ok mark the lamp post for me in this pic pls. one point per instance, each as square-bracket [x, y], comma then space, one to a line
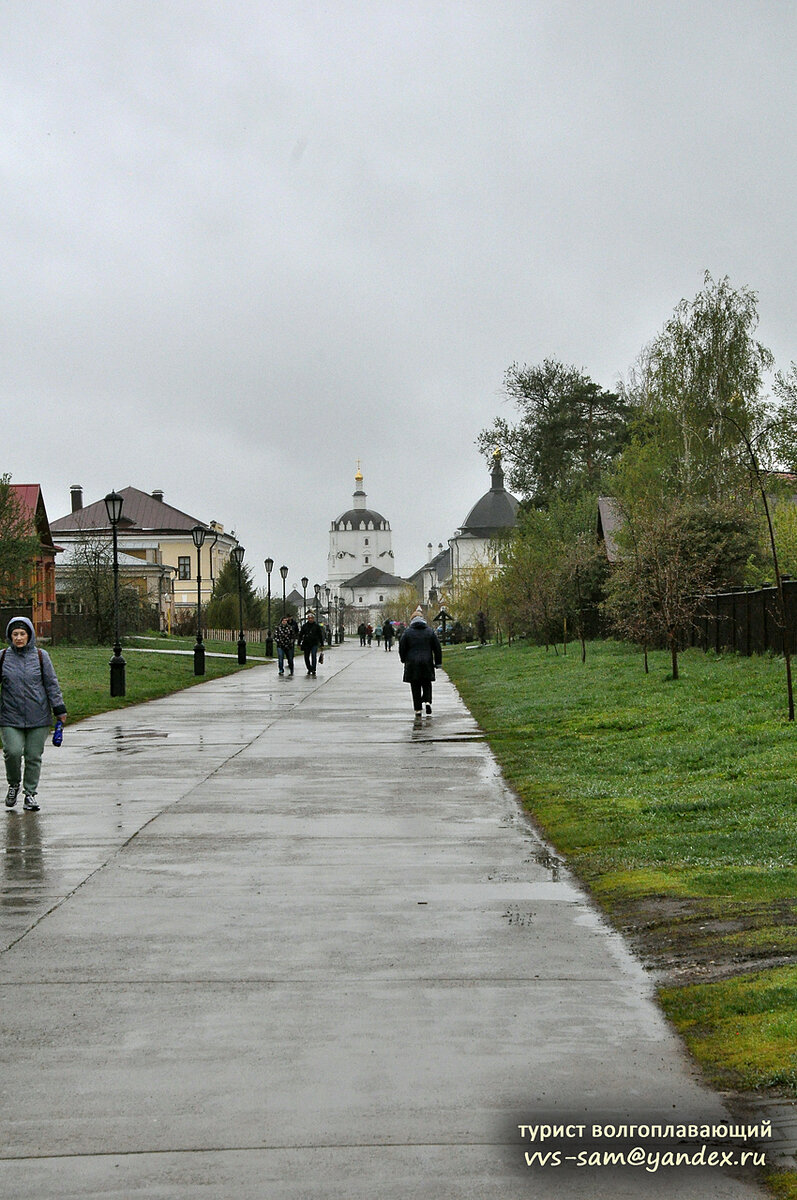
[317, 590]
[336, 619]
[238, 558]
[269, 565]
[284, 574]
[305, 582]
[329, 618]
[113, 506]
[198, 537]
[210, 560]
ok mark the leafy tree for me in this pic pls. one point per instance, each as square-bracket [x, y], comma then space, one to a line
[698, 384]
[783, 444]
[530, 593]
[569, 432]
[683, 483]
[784, 519]
[405, 603]
[553, 571]
[222, 611]
[19, 545]
[476, 593]
[656, 588]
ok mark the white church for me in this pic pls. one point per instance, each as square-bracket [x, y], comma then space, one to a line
[360, 566]
[360, 562]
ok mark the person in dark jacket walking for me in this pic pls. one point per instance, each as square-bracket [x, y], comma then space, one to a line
[387, 633]
[420, 651]
[285, 636]
[311, 639]
[30, 693]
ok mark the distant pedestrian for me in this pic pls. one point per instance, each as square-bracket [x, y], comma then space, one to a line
[285, 637]
[311, 639]
[378, 634]
[388, 634]
[30, 694]
[481, 628]
[369, 633]
[362, 629]
[420, 651]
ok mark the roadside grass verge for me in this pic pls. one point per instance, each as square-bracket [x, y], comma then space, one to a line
[84, 675]
[675, 802]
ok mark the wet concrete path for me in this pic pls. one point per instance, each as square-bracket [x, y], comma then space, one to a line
[268, 940]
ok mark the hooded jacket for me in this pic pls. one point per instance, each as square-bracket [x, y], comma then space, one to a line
[420, 651]
[29, 687]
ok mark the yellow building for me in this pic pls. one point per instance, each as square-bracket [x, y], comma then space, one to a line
[157, 533]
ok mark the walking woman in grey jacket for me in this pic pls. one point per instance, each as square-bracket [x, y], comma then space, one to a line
[28, 694]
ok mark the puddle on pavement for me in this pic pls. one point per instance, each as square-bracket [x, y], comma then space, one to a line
[23, 860]
[550, 862]
[459, 738]
[133, 741]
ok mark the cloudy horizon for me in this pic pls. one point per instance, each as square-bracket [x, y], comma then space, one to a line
[248, 245]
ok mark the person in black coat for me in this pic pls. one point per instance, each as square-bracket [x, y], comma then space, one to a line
[420, 651]
[311, 640]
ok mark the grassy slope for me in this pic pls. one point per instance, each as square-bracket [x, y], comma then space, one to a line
[676, 803]
[84, 675]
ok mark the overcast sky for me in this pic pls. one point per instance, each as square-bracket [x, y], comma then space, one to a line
[246, 244]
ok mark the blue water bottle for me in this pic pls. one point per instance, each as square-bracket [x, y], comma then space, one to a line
[58, 733]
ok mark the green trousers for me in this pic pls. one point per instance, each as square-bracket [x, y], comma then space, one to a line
[27, 744]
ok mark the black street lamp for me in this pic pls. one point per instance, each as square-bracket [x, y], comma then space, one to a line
[269, 565]
[317, 590]
[305, 582]
[329, 618]
[238, 558]
[337, 620]
[210, 560]
[284, 574]
[198, 537]
[113, 506]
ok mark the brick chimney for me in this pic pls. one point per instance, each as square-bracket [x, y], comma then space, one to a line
[76, 491]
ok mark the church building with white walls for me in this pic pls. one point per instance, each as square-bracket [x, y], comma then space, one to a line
[358, 539]
[360, 563]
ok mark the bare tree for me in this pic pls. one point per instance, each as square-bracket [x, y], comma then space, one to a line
[90, 586]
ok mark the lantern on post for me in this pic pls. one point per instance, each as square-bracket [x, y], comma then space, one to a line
[113, 507]
[198, 534]
[269, 565]
[238, 558]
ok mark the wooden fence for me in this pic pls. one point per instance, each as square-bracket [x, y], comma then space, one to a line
[747, 620]
[231, 635]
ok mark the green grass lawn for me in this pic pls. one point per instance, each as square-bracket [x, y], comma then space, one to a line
[84, 675]
[676, 803]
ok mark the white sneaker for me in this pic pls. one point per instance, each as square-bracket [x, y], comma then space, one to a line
[30, 803]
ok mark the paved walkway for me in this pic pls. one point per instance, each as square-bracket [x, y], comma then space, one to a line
[266, 940]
